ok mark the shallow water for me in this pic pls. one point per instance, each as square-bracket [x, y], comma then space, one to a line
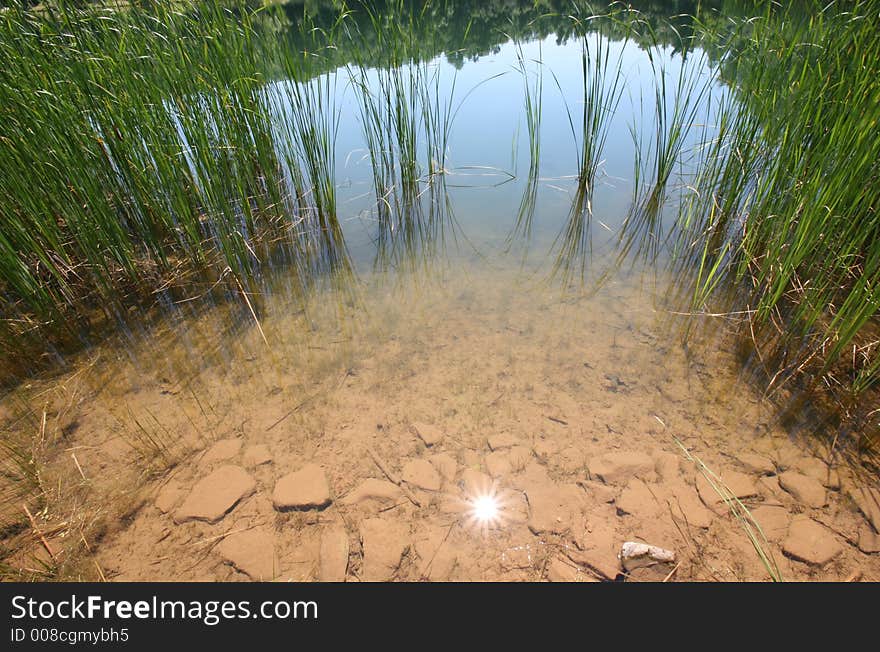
[566, 349]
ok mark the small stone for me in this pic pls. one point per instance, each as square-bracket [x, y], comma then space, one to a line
[256, 455]
[373, 489]
[757, 464]
[504, 440]
[429, 434]
[810, 542]
[616, 468]
[252, 552]
[303, 489]
[807, 491]
[638, 555]
[497, 464]
[869, 541]
[383, 542]
[773, 521]
[334, 554]
[867, 499]
[222, 450]
[215, 495]
[446, 465]
[554, 508]
[420, 473]
[738, 484]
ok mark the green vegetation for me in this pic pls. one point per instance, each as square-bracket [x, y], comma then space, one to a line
[159, 149]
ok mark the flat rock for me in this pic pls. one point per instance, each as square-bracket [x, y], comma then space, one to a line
[215, 495]
[773, 520]
[222, 450]
[503, 440]
[383, 542]
[685, 504]
[252, 552]
[869, 541]
[597, 546]
[428, 433]
[757, 464]
[739, 484]
[382, 491]
[638, 499]
[169, 496]
[810, 542]
[445, 465]
[554, 508]
[498, 464]
[804, 489]
[437, 555]
[819, 470]
[867, 499]
[256, 455]
[422, 474]
[303, 489]
[617, 468]
[334, 554]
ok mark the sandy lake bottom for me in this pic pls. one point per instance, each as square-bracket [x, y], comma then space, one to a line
[457, 421]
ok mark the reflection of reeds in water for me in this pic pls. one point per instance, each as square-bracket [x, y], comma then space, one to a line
[603, 82]
[406, 114]
[532, 107]
[676, 107]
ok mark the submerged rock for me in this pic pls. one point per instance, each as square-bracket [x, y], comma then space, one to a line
[635, 555]
[616, 468]
[215, 495]
[429, 434]
[810, 542]
[804, 489]
[252, 552]
[334, 554]
[303, 489]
